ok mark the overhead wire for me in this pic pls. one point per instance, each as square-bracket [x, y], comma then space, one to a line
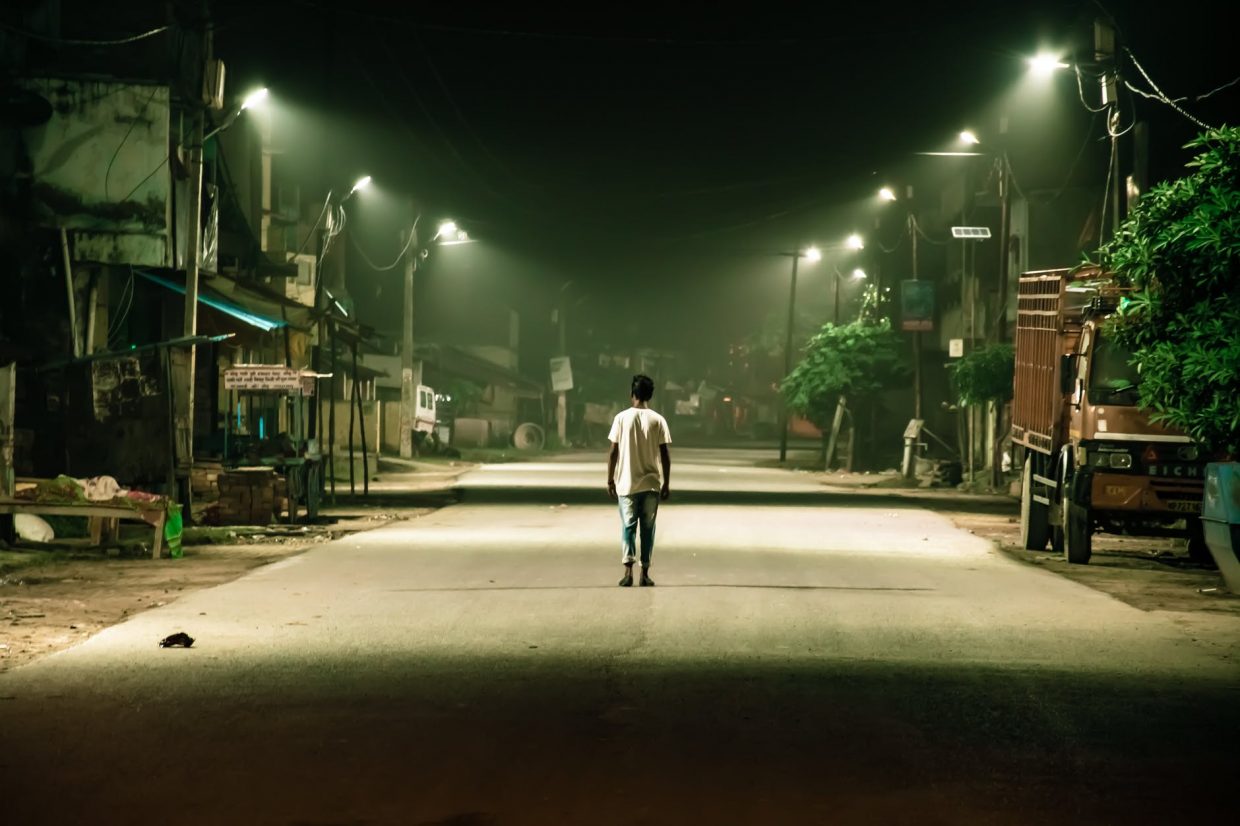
[69, 41]
[116, 324]
[1106, 194]
[108, 172]
[1218, 89]
[399, 257]
[1162, 96]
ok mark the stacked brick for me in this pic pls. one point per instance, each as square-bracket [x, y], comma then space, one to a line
[205, 477]
[247, 496]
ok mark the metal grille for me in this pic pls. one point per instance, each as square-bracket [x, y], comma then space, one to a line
[1037, 401]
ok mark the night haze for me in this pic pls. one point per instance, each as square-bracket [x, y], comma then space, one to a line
[677, 148]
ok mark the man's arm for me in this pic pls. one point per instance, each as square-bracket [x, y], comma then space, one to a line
[612, 457]
[666, 457]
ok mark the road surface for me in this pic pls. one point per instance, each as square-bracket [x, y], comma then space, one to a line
[803, 659]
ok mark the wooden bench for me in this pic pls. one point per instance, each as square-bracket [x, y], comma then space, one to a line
[103, 517]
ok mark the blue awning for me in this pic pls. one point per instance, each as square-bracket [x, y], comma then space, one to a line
[217, 303]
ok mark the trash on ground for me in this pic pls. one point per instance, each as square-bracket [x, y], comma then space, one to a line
[180, 638]
[33, 528]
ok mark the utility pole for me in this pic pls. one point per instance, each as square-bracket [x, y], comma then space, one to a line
[1005, 245]
[561, 402]
[183, 358]
[1104, 55]
[792, 301]
[408, 387]
[912, 232]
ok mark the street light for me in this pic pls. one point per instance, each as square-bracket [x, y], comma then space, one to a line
[854, 242]
[857, 274]
[910, 224]
[811, 254]
[1044, 64]
[251, 101]
[449, 234]
[254, 98]
[969, 138]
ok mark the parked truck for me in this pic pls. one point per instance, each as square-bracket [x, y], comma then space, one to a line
[1092, 461]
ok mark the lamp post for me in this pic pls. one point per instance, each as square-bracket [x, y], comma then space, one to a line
[857, 274]
[810, 254]
[910, 226]
[447, 234]
[183, 360]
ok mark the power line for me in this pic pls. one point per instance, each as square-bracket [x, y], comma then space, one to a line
[400, 256]
[68, 41]
[1161, 94]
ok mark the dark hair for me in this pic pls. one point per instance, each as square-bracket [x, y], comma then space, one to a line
[643, 387]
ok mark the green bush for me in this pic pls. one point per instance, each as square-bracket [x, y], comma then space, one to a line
[985, 375]
[1180, 251]
[855, 359]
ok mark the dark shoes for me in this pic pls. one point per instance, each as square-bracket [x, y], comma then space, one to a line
[646, 582]
[626, 581]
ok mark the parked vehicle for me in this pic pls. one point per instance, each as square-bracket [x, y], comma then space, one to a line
[1092, 460]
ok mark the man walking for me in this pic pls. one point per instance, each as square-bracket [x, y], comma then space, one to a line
[639, 439]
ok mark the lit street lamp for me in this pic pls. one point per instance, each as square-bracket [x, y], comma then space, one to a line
[811, 254]
[447, 234]
[857, 274]
[1044, 64]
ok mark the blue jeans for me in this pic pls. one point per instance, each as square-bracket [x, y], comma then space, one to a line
[638, 509]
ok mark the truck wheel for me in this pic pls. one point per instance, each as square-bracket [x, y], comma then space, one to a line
[1078, 530]
[1034, 516]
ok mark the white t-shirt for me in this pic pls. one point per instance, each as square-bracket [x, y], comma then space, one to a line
[638, 431]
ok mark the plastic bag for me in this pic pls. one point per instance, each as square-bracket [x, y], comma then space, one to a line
[172, 532]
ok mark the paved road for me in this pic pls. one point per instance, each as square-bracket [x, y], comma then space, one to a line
[803, 659]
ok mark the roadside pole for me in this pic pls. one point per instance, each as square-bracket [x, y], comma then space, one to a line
[182, 359]
[792, 303]
[408, 390]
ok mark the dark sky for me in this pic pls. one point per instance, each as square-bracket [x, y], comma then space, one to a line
[661, 156]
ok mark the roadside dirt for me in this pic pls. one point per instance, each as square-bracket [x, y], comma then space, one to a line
[1150, 574]
[52, 600]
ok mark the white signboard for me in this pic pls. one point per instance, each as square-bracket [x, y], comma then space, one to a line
[955, 348]
[266, 377]
[561, 374]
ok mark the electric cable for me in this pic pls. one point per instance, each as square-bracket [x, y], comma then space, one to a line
[1075, 163]
[1218, 89]
[400, 256]
[1161, 94]
[921, 232]
[108, 172]
[1080, 93]
[68, 41]
[116, 324]
[1106, 194]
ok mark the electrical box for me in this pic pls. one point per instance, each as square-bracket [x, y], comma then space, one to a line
[213, 84]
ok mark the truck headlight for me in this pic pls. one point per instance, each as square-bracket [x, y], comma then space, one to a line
[1118, 459]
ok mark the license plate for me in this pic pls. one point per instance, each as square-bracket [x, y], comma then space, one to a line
[1184, 506]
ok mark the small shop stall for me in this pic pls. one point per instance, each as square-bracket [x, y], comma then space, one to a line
[270, 463]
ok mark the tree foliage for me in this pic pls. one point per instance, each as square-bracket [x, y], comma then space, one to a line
[985, 375]
[854, 359]
[1180, 251]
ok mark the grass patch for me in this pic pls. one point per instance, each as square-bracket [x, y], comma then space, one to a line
[17, 560]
